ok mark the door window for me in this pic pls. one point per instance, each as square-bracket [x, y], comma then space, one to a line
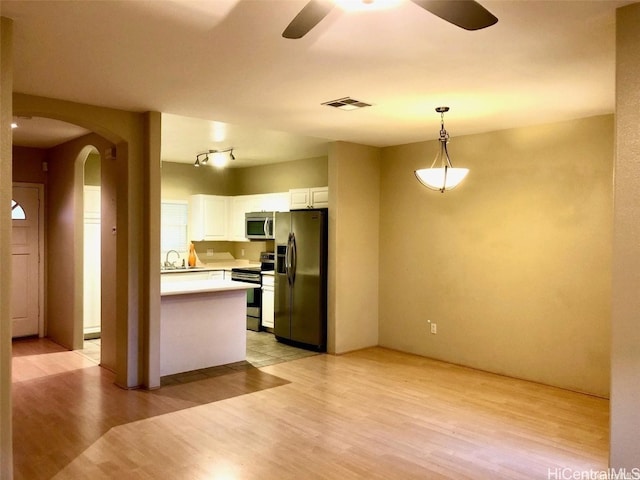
[17, 212]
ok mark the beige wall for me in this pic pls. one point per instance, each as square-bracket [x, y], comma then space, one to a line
[625, 378]
[6, 115]
[280, 177]
[92, 170]
[249, 251]
[514, 266]
[180, 180]
[150, 334]
[65, 246]
[27, 165]
[354, 201]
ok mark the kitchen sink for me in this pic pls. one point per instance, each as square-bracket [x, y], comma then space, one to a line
[181, 269]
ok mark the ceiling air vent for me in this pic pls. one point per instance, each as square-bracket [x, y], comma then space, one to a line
[346, 103]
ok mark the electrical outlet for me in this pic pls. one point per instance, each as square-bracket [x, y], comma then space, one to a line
[434, 328]
[242, 252]
[209, 252]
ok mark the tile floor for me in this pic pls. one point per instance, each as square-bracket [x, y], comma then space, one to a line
[262, 349]
[91, 350]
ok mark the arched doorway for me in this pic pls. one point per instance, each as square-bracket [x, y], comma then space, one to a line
[92, 255]
[129, 144]
[68, 284]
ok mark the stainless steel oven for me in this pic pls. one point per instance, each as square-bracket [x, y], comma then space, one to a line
[254, 295]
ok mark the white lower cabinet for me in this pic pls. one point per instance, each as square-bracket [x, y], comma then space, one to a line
[191, 275]
[216, 275]
[268, 299]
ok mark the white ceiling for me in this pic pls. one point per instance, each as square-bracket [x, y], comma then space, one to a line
[225, 63]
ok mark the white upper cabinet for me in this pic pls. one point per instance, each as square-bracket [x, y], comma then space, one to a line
[208, 217]
[238, 206]
[241, 204]
[303, 198]
[274, 202]
[215, 217]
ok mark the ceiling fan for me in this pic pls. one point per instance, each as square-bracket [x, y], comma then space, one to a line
[467, 14]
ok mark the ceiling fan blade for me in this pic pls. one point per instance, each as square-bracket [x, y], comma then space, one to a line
[466, 14]
[309, 17]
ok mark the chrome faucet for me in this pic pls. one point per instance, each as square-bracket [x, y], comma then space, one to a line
[168, 264]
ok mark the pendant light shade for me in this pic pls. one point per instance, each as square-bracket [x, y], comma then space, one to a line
[443, 178]
[441, 175]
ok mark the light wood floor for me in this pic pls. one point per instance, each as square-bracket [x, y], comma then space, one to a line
[372, 414]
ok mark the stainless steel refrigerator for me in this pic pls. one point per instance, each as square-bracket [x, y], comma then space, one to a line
[301, 278]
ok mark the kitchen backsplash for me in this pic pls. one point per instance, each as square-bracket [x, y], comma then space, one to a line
[239, 250]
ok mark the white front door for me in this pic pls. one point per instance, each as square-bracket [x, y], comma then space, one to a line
[25, 252]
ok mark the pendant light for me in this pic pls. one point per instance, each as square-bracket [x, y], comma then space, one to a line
[441, 175]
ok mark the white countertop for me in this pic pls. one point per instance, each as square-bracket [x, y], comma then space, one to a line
[203, 286]
[214, 266]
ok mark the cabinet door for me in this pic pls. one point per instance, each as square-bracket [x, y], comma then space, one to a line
[183, 277]
[215, 217]
[274, 202]
[216, 275]
[238, 206]
[268, 298]
[303, 198]
[208, 217]
[299, 199]
[319, 197]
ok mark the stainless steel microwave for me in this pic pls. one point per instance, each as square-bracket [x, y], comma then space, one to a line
[260, 225]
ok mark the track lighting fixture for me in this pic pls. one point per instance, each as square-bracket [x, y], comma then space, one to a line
[219, 158]
[444, 176]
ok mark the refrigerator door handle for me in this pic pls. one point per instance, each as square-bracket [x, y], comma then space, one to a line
[294, 258]
[288, 260]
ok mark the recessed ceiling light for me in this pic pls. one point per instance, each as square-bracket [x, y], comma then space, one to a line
[346, 103]
[14, 125]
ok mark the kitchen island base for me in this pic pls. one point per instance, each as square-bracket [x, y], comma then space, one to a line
[202, 329]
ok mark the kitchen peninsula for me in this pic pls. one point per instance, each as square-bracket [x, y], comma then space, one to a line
[202, 324]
